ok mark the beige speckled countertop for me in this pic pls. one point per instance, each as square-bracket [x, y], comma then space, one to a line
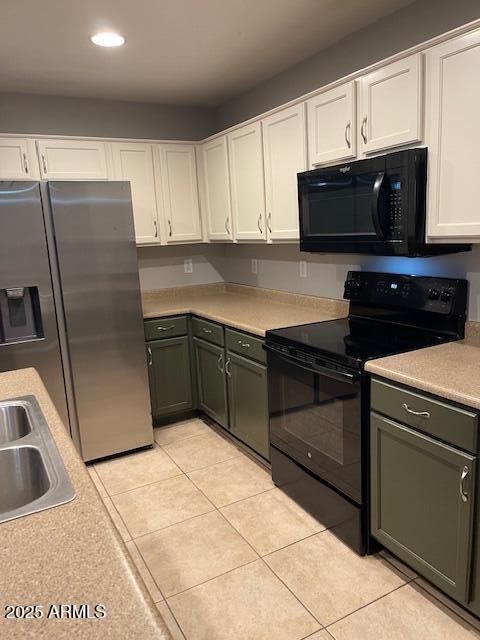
[70, 554]
[247, 308]
[450, 370]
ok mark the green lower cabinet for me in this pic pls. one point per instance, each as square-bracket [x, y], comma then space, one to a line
[248, 402]
[422, 496]
[169, 375]
[212, 389]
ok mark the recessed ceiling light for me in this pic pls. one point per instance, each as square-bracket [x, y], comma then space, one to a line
[108, 39]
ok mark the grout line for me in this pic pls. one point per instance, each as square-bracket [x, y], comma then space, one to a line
[149, 572]
[229, 504]
[173, 616]
[147, 484]
[291, 544]
[173, 524]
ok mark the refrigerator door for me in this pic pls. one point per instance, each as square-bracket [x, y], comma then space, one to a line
[28, 328]
[100, 308]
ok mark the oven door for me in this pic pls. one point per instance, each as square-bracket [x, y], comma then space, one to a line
[315, 419]
[340, 211]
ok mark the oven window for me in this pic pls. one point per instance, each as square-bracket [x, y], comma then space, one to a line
[334, 205]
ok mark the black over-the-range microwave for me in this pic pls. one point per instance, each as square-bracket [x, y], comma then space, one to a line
[373, 206]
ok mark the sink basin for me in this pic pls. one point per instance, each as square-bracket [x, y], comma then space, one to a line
[32, 474]
[14, 423]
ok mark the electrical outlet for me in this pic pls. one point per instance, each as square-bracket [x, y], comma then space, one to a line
[254, 265]
[188, 265]
[303, 269]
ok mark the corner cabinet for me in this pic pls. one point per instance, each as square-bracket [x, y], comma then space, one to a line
[453, 138]
[284, 155]
[218, 208]
[18, 159]
[178, 170]
[73, 159]
[134, 162]
[391, 105]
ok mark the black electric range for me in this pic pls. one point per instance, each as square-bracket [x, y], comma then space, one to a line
[319, 394]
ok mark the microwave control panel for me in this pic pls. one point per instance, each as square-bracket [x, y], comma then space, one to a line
[422, 293]
[395, 217]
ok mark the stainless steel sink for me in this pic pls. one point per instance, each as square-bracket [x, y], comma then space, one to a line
[32, 474]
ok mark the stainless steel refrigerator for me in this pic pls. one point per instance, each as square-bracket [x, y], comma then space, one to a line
[70, 306]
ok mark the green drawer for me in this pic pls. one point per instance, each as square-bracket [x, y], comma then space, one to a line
[166, 327]
[208, 331]
[447, 422]
[246, 345]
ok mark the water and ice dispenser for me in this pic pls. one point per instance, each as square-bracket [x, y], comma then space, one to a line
[20, 317]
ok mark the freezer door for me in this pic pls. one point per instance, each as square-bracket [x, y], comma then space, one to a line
[28, 328]
[104, 340]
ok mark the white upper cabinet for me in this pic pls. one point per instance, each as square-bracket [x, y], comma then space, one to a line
[179, 187]
[217, 190]
[391, 105]
[133, 161]
[18, 160]
[331, 118]
[73, 159]
[453, 137]
[285, 155]
[247, 182]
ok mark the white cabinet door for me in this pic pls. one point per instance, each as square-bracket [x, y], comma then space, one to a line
[180, 193]
[73, 159]
[285, 155]
[391, 105]
[18, 160]
[134, 162]
[331, 118]
[246, 175]
[453, 137]
[217, 189]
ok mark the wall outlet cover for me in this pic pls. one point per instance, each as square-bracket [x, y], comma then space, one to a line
[254, 265]
[188, 265]
[303, 269]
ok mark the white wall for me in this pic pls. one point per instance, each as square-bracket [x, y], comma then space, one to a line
[163, 267]
[278, 268]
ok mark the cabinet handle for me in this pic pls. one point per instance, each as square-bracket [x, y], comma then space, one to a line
[25, 163]
[347, 134]
[244, 344]
[169, 328]
[463, 493]
[269, 222]
[227, 368]
[220, 363]
[156, 228]
[363, 129]
[170, 228]
[44, 163]
[150, 357]
[208, 331]
[227, 225]
[421, 414]
[259, 223]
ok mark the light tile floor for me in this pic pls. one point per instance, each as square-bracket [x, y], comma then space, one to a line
[226, 556]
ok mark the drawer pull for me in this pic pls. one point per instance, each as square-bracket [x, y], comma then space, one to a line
[150, 357]
[220, 363]
[463, 493]
[246, 345]
[420, 414]
[208, 331]
[227, 368]
[169, 328]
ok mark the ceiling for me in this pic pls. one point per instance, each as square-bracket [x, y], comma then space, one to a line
[190, 52]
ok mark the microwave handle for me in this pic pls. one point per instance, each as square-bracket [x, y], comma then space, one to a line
[376, 213]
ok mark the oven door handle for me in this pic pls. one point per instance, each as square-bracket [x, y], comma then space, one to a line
[376, 213]
[343, 376]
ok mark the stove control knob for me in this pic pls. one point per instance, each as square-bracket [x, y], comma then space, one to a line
[434, 294]
[446, 296]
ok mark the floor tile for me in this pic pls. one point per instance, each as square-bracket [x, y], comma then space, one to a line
[192, 552]
[330, 579]
[270, 521]
[405, 614]
[233, 480]
[136, 470]
[179, 431]
[96, 481]
[201, 451]
[170, 621]
[117, 520]
[144, 572]
[448, 602]
[247, 603]
[158, 505]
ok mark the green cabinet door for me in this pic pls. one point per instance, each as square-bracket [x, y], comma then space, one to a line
[169, 375]
[423, 495]
[211, 385]
[248, 402]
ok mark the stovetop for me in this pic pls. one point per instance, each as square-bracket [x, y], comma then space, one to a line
[353, 341]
